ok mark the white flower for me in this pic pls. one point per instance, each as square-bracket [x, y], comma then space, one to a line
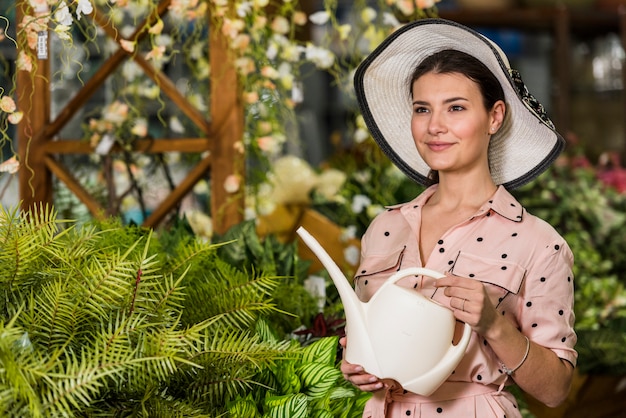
[285, 74]
[360, 135]
[362, 176]
[243, 9]
[348, 233]
[321, 57]
[330, 182]
[131, 70]
[176, 126]
[292, 53]
[390, 19]
[62, 15]
[63, 32]
[316, 286]
[272, 51]
[360, 202]
[319, 18]
[352, 255]
[294, 178]
[140, 127]
[84, 7]
[201, 224]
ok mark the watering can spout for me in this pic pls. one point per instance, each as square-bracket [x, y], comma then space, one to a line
[356, 326]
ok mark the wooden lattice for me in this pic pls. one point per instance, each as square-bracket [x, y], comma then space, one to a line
[222, 128]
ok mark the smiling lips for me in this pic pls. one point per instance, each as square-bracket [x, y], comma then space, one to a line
[439, 146]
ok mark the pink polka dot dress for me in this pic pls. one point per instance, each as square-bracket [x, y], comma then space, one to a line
[526, 267]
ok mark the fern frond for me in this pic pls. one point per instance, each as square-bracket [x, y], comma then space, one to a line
[53, 318]
[22, 238]
[78, 382]
[232, 297]
[18, 383]
[192, 254]
[108, 281]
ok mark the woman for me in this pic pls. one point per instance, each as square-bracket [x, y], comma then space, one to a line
[442, 102]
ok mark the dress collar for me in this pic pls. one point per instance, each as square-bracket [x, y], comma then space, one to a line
[502, 203]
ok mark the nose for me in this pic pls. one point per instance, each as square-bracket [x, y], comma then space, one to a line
[436, 123]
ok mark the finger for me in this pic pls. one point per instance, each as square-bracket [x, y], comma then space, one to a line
[366, 382]
[459, 303]
[349, 368]
[456, 281]
[371, 387]
[343, 341]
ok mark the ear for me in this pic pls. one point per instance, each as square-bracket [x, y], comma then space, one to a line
[496, 116]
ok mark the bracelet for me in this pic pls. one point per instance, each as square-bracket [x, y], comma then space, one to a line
[511, 371]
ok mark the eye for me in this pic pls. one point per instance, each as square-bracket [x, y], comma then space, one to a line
[456, 108]
[420, 109]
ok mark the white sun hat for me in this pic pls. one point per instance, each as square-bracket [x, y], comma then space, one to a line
[524, 146]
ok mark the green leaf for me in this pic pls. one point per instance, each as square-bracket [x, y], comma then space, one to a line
[322, 351]
[288, 406]
[243, 408]
[318, 379]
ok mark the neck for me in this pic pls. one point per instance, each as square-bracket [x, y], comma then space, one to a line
[463, 192]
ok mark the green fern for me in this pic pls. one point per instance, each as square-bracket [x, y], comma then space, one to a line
[98, 320]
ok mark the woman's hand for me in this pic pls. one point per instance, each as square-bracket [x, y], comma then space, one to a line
[355, 374]
[469, 302]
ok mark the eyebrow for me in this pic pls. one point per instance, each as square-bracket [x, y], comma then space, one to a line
[450, 100]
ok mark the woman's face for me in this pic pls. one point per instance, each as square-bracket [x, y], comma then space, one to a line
[450, 125]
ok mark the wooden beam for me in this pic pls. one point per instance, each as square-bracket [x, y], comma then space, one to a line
[228, 126]
[75, 187]
[177, 195]
[156, 146]
[105, 70]
[170, 90]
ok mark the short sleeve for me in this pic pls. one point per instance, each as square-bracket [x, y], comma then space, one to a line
[546, 310]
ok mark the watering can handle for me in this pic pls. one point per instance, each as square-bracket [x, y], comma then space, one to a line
[411, 271]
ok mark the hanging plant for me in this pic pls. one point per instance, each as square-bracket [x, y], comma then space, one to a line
[268, 40]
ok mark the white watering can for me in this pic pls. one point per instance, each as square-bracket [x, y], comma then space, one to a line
[399, 333]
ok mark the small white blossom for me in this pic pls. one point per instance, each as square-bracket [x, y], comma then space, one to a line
[84, 7]
[321, 57]
[390, 19]
[176, 126]
[360, 135]
[352, 255]
[62, 15]
[319, 18]
[348, 233]
[360, 202]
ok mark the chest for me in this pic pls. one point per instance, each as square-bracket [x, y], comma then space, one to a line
[434, 225]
